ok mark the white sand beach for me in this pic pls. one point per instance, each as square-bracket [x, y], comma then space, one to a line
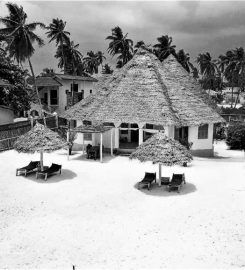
[93, 216]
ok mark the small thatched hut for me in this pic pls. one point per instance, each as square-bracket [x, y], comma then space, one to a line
[146, 96]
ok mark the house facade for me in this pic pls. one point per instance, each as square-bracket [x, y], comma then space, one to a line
[61, 91]
[6, 115]
[145, 97]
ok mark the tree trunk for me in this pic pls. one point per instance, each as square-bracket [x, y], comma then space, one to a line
[35, 85]
[64, 61]
[237, 98]
[232, 81]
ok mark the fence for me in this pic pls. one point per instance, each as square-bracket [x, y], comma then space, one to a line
[10, 132]
[234, 117]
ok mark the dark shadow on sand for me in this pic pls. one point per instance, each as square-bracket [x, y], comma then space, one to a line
[162, 191]
[54, 178]
[106, 158]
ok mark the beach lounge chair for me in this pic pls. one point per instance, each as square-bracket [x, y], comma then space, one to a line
[54, 168]
[147, 180]
[31, 167]
[176, 182]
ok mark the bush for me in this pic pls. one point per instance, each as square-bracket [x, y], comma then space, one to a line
[236, 136]
[228, 110]
[220, 131]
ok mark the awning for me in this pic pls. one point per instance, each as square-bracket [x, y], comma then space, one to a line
[91, 129]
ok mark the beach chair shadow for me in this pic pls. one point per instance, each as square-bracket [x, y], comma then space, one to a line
[54, 178]
[162, 191]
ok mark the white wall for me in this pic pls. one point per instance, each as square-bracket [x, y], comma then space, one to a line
[6, 116]
[199, 144]
[66, 85]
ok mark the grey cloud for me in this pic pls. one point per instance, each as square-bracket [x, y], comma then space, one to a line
[194, 26]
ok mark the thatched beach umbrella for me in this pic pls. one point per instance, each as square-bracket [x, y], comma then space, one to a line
[39, 139]
[162, 150]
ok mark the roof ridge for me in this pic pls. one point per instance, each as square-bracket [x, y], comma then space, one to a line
[163, 86]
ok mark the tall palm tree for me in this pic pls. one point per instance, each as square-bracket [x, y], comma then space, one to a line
[100, 57]
[91, 62]
[209, 71]
[120, 45]
[164, 47]
[184, 60]
[107, 69]
[20, 37]
[141, 44]
[235, 70]
[72, 56]
[58, 34]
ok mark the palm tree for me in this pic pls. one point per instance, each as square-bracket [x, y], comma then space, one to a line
[47, 72]
[209, 70]
[164, 47]
[235, 70]
[184, 59]
[107, 69]
[57, 33]
[120, 45]
[72, 56]
[141, 44]
[20, 37]
[91, 62]
[100, 57]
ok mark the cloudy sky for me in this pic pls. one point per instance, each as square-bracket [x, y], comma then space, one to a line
[196, 26]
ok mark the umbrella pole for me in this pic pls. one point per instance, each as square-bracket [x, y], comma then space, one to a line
[101, 147]
[41, 159]
[160, 174]
[68, 139]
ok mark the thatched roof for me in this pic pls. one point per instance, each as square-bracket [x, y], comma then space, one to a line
[162, 150]
[145, 90]
[91, 129]
[39, 139]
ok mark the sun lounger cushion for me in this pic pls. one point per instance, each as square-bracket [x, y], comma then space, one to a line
[147, 180]
[54, 168]
[177, 181]
[31, 167]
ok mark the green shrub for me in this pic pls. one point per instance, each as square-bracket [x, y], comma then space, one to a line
[236, 136]
[220, 131]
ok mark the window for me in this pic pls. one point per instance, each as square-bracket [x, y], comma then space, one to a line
[53, 97]
[87, 136]
[85, 122]
[75, 87]
[90, 91]
[45, 100]
[149, 126]
[203, 132]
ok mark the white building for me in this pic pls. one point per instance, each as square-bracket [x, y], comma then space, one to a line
[146, 96]
[6, 115]
[56, 92]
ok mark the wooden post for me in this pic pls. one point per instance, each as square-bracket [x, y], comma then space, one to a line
[111, 142]
[160, 174]
[31, 120]
[101, 147]
[68, 139]
[41, 159]
[141, 133]
[57, 120]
